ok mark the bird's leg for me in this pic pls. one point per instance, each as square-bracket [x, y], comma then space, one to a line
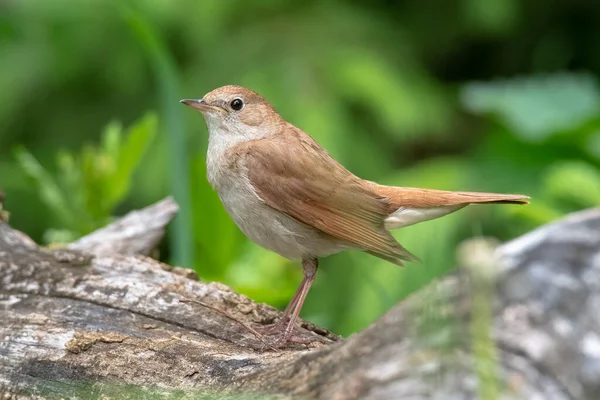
[285, 325]
[292, 304]
[281, 322]
[309, 267]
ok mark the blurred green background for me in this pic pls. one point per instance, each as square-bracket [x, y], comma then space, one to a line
[482, 95]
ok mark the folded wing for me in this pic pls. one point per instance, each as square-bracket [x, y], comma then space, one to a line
[301, 180]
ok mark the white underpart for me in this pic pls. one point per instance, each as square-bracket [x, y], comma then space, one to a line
[405, 216]
[264, 225]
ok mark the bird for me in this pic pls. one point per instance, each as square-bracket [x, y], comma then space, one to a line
[286, 193]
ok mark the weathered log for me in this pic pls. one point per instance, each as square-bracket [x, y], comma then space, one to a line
[137, 233]
[95, 320]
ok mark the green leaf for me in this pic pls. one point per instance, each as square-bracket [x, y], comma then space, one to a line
[95, 166]
[536, 107]
[71, 179]
[111, 139]
[93, 182]
[129, 154]
[50, 192]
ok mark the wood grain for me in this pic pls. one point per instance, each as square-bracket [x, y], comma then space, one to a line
[79, 325]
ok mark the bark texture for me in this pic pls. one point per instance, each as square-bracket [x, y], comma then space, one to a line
[98, 319]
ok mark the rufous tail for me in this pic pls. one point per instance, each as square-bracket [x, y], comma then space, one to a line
[425, 198]
[409, 206]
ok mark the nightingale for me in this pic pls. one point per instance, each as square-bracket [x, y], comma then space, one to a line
[287, 194]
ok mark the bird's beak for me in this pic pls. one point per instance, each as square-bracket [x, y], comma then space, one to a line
[199, 105]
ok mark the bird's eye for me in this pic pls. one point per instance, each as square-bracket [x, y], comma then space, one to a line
[237, 104]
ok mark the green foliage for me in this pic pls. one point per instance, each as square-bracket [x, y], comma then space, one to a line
[167, 78]
[562, 178]
[561, 110]
[90, 185]
[537, 107]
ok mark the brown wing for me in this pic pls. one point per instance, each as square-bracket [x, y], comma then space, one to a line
[297, 177]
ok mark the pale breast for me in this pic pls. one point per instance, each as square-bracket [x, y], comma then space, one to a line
[262, 224]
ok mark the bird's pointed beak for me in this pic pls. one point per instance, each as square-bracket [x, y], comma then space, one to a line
[200, 105]
[197, 104]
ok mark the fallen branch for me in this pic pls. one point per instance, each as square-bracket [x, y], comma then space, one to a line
[99, 320]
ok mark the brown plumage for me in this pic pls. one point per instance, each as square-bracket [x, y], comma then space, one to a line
[287, 193]
[415, 197]
[313, 188]
[293, 174]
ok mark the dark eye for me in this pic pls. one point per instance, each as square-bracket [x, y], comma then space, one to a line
[237, 104]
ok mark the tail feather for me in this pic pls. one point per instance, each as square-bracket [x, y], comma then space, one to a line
[426, 198]
[409, 206]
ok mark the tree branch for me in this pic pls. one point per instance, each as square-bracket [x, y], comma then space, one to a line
[136, 233]
[97, 320]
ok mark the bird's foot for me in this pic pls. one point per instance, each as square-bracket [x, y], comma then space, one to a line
[278, 334]
[271, 329]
